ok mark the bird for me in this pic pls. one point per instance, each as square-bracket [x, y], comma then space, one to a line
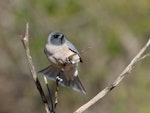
[64, 59]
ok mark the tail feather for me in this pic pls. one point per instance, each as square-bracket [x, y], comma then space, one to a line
[77, 85]
[52, 72]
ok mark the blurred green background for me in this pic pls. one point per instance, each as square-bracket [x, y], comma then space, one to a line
[107, 33]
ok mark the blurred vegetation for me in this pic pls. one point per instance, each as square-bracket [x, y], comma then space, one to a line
[109, 33]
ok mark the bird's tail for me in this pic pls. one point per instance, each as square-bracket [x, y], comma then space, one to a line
[52, 72]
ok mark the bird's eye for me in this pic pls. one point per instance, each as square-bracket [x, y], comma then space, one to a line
[56, 36]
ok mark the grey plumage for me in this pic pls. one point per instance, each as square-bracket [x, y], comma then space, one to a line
[64, 58]
[71, 46]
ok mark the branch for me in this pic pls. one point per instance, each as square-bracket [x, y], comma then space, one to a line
[125, 72]
[50, 95]
[56, 91]
[25, 41]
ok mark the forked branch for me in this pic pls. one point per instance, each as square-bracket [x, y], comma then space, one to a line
[25, 41]
[125, 72]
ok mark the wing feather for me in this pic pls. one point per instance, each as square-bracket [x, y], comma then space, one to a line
[73, 48]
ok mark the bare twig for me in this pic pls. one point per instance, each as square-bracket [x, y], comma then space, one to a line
[125, 72]
[25, 41]
[144, 56]
[56, 91]
[50, 95]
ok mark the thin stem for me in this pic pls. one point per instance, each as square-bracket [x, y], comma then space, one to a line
[25, 41]
[56, 92]
[125, 72]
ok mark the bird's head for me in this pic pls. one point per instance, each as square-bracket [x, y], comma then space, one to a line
[56, 38]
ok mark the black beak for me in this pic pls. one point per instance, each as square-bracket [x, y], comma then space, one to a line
[61, 37]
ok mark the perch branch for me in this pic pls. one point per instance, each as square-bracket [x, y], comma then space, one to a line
[50, 95]
[56, 91]
[25, 41]
[125, 72]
